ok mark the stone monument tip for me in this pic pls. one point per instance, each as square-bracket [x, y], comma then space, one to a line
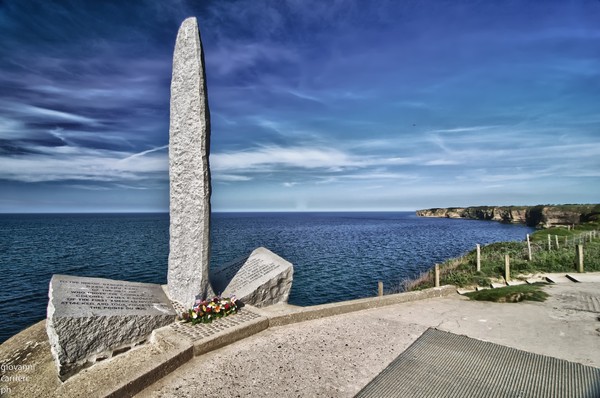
[189, 170]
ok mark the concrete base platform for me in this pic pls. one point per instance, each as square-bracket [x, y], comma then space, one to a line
[338, 356]
[442, 364]
[31, 371]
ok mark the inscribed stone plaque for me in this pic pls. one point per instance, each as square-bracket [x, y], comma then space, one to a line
[91, 318]
[261, 279]
[189, 170]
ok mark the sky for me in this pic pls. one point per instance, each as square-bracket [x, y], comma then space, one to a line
[315, 105]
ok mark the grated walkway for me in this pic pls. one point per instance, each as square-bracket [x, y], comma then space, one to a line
[443, 364]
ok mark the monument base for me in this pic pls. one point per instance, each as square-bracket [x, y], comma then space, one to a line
[92, 319]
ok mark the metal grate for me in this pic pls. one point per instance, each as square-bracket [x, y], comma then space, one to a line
[441, 364]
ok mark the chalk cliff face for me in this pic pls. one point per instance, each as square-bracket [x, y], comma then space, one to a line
[535, 216]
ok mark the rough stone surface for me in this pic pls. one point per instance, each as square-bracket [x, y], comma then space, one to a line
[92, 319]
[189, 172]
[262, 278]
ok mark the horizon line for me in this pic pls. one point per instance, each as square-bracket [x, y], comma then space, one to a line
[217, 211]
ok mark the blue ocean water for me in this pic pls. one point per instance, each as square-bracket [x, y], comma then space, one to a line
[336, 256]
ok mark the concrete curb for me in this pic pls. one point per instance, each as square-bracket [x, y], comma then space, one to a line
[160, 370]
[302, 314]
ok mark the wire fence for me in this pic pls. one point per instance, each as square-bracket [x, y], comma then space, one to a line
[555, 253]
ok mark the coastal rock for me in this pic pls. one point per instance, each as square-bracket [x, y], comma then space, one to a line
[535, 216]
[554, 216]
[260, 279]
[189, 171]
[91, 319]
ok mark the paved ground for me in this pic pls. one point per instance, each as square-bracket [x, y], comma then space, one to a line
[337, 356]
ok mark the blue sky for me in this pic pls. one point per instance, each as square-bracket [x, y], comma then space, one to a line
[315, 105]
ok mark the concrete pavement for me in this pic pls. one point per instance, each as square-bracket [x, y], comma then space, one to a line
[339, 355]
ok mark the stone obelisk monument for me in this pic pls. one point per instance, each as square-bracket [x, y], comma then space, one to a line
[189, 172]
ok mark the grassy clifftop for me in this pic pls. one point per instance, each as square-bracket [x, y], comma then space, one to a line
[553, 250]
[537, 216]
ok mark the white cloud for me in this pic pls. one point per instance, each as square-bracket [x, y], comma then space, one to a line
[267, 158]
[71, 163]
[441, 162]
[25, 110]
[135, 155]
[229, 177]
[466, 129]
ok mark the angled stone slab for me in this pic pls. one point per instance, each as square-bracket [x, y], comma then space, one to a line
[497, 285]
[591, 277]
[557, 278]
[91, 319]
[531, 281]
[189, 170]
[516, 283]
[260, 279]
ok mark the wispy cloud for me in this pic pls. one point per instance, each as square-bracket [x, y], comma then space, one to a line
[230, 177]
[30, 111]
[328, 100]
[143, 153]
[69, 164]
[269, 157]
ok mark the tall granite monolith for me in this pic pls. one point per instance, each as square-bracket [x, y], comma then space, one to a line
[189, 171]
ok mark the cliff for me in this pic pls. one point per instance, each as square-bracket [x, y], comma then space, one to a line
[543, 216]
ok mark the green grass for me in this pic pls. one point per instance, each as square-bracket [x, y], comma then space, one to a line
[462, 272]
[510, 294]
[541, 237]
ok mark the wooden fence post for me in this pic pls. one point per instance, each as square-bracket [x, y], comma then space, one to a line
[478, 257]
[380, 288]
[528, 248]
[556, 239]
[437, 275]
[549, 243]
[579, 256]
[507, 268]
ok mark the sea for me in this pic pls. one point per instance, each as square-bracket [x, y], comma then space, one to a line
[337, 256]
